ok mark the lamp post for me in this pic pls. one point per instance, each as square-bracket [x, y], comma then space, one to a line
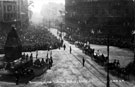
[109, 34]
[61, 25]
[134, 30]
[61, 30]
[134, 43]
[108, 78]
[110, 17]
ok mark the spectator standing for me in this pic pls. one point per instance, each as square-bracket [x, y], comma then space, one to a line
[83, 61]
[70, 49]
[64, 46]
[17, 77]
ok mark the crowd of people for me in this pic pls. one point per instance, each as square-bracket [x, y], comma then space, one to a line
[27, 66]
[40, 39]
[103, 40]
[34, 39]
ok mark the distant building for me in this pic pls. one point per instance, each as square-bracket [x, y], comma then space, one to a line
[1, 10]
[100, 15]
[12, 12]
[24, 13]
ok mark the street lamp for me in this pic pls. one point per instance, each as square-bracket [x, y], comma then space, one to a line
[108, 79]
[61, 25]
[110, 17]
[134, 43]
[108, 41]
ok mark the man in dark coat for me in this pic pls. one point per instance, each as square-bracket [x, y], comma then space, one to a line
[83, 61]
[70, 49]
[17, 77]
[64, 46]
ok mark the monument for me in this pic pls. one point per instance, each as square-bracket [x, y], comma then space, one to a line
[13, 46]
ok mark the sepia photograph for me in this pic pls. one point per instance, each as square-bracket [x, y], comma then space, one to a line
[67, 43]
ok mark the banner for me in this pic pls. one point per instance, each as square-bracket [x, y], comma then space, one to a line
[9, 11]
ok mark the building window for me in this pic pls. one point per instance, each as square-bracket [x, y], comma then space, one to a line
[73, 2]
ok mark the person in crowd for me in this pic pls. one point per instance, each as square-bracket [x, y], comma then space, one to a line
[31, 59]
[83, 61]
[47, 55]
[27, 56]
[51, 53]
[49, 47]
[59, 47]
[23, 56]
[118, 63]
[47, 59]
[36, 54]
[8, 65]
[50, 61]
[115, 62]
[64, 46]
[42, 62]
[17, 77]
[70, 49]
[37, 62]
[31, 56]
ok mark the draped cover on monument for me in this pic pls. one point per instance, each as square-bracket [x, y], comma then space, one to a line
[13, 46]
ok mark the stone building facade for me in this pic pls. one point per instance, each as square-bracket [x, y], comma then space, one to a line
[13, 12]
[115, 16]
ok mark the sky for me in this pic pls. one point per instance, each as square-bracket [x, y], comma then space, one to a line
[37, 17]
[39, 3]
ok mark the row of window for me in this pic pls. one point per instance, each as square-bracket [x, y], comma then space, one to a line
[10, 17]
[10, 9]
[9, 6]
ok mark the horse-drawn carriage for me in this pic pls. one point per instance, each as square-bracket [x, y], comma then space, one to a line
[114, 67]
